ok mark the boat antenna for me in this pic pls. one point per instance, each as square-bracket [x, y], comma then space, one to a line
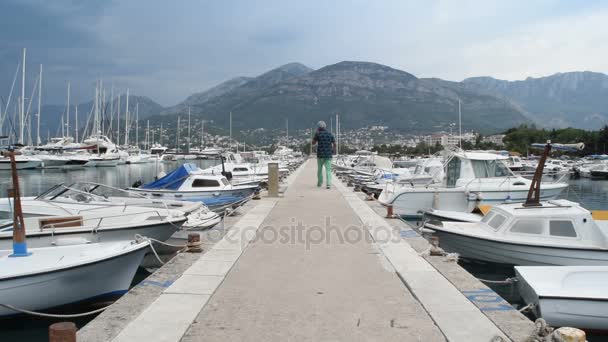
[19, 244]
[533, 199]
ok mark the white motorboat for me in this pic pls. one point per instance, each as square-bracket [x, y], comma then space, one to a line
[514, 163]
[139, 158]
[22, 163]
[211, 151]
[557, 233]
[60, 275]
[190, 183]
[106, 152]
[101, 213]
[472, 178]
[572, 296]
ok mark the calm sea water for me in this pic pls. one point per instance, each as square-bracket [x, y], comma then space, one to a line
[591, 194]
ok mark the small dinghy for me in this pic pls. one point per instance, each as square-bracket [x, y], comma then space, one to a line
[55, 276]
[573, 296]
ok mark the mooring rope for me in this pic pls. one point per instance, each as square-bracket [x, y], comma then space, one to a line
[42, 314]
[506, 281]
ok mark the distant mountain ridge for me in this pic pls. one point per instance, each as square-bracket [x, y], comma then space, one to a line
[578, 99]
[363, 93]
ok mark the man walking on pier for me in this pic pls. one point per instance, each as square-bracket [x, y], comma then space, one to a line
[325, 148]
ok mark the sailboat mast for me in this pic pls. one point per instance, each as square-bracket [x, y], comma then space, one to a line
[39, 106]
[189, 136]
[22, 101]
[137, 125]
[459, 125]
[127, 120]
[202, 134]
[118, 121]
[160, 134]
[103, 110]
[177, 137]
[67, 118]
[76, 123]
[111, 108]
[230, 142]
[148, 135]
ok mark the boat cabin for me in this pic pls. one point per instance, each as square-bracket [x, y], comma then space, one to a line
[464, 167]
[558, 222]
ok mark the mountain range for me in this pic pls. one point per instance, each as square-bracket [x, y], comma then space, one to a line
[365, 93]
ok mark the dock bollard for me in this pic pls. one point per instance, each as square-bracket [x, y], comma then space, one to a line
[570, 335]
[273, 179]
[62, 332]
[389, 211]
[194, 243]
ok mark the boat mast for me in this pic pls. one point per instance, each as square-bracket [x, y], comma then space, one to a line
[39, 106]
[148, 135]
[177, 149]
[22, 100]
[118, 121]
[111, 108]
[67, 116]
[202, 134]
[160, 135]
[189, 136]
[103, 110]
[127, 120]
[137, 125]
[459, 126]
[76, 123]
[230, 141]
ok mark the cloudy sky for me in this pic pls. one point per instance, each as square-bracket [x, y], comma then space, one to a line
[169, 49]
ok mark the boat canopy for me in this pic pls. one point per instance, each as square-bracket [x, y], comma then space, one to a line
[174, 179]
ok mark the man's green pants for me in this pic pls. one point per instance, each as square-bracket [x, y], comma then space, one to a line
[320, 163]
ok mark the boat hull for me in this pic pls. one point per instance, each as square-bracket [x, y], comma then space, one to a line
[411, 202]
[518, 254]
[21, 165]
[42, 291]
[47, 238]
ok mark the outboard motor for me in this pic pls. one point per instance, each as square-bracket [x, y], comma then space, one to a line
[137, 184]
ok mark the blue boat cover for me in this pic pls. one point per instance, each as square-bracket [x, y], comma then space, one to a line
[173, 180]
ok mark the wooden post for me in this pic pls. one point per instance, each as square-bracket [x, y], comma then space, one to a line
[19, 245]
[273, 179]
[62, 332]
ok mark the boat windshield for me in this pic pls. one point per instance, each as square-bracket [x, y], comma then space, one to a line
[84, 192]
[490, 168]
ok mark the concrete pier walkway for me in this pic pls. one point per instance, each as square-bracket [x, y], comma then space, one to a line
[315, 265]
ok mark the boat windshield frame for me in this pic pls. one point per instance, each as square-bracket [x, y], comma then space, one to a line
[60, 189]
